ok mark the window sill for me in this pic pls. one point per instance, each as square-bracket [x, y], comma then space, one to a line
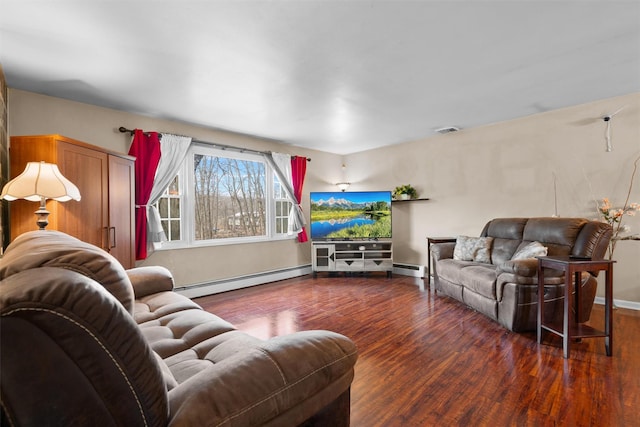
[168, 246]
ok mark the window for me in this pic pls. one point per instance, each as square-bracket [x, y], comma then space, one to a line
[283, 207]
[223, 197]
[170, 212]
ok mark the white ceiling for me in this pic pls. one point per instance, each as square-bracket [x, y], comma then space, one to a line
[337, 76]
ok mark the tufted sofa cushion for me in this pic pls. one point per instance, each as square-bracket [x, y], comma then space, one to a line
[178, 328]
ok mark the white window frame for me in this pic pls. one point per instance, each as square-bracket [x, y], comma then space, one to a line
[284, 215]
[166, 195]
[186, 187]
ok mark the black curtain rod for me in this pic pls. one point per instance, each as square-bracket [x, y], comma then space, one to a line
[123, 129]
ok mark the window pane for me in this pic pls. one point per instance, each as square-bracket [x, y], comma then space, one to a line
[174, 203]
[229, 197]
[175, 230]
[169, 208]
[282, 207]
[163, 207]
[281, 225]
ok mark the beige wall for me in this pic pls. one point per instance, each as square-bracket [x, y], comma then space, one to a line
[34, 114]
[471, 176]
[507, 169]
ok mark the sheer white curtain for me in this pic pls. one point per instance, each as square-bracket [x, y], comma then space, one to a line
[281, 164]
[173, 150]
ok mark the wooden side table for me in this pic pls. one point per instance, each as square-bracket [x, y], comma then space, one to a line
[431, 241]
[570, 328]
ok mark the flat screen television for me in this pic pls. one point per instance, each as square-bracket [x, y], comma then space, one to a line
[350, 215]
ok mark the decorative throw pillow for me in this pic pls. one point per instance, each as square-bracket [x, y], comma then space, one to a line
[463, 250]
[473, 249]
[482, 250]
[532, 250]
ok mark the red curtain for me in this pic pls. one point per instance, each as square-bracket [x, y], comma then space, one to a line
[298, 171]
[145, 147]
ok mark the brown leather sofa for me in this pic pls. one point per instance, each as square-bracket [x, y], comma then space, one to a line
[506, 289]
[86, 343]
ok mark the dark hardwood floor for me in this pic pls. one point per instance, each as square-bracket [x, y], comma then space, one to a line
[426, 360]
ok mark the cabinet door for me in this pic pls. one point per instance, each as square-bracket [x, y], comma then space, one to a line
[323, 257]
[121, 234]
[88, 170]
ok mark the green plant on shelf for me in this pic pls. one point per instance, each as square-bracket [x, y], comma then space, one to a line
[405, 191]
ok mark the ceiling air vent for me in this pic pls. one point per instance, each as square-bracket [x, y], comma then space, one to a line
[448, 129]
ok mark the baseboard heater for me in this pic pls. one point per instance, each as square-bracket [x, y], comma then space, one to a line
[409, 270]
[223, 285]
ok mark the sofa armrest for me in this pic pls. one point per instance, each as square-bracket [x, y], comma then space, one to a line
[442, 250]
[150, 280]
[73, 355]
[288, 378]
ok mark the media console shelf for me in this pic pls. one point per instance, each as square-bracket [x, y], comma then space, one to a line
[352, 256]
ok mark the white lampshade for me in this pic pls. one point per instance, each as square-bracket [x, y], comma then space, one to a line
[40, 180]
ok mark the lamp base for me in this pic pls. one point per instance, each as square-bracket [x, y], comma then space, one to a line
[42, 215]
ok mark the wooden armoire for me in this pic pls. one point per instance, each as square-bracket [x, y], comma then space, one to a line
[105, 214]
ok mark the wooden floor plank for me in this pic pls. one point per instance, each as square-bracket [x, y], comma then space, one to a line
[427, 360]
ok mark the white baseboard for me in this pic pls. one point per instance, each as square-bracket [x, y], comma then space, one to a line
[224, 285]
[405, 269]
[632, 305]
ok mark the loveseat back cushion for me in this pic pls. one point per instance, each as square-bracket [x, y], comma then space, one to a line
[503, 250]
[505, 228]
[557, 234]
[49, 248]
[507, 235]
[72, 355]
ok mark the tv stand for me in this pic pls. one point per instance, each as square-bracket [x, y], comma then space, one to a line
[352, 256]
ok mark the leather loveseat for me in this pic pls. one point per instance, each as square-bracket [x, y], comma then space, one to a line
[86, 343]
[498, 276]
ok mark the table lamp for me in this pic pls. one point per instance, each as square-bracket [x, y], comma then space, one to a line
[38, 182]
